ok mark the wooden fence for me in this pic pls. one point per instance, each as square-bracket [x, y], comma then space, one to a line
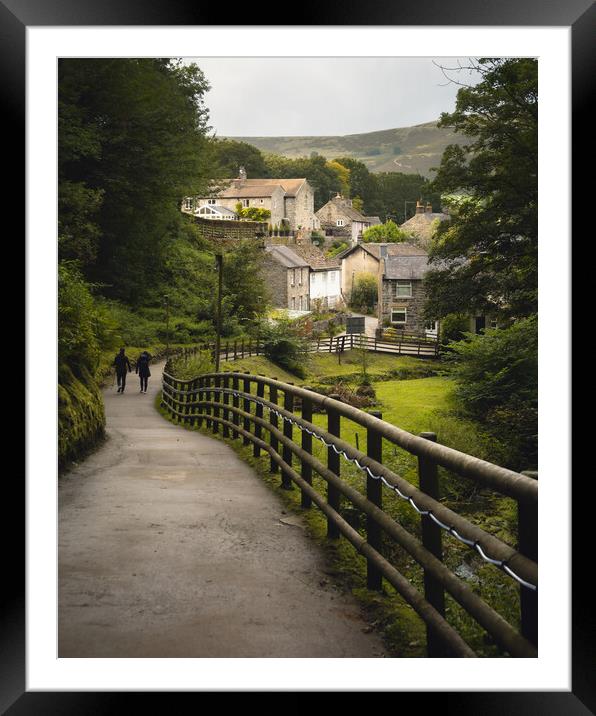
[408, 345]
[262, 411]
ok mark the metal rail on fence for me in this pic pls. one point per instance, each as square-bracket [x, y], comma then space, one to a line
[249, 406]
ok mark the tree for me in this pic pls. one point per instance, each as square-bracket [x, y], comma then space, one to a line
[364, 292]
[132, 143]
[497, 383]
[486, 257]
[230, 155]
[322, 177]
[387, 232]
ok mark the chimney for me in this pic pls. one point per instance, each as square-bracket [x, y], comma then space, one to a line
[419, 207]
[429, 208]
[242, 173]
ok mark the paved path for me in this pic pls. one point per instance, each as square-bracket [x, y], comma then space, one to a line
[171, 546]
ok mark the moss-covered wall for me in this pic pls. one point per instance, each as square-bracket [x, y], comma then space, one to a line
[81, 416]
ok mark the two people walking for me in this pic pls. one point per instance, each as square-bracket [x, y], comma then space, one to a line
[123, 367]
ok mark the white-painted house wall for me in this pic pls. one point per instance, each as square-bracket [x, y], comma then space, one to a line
[325, 285]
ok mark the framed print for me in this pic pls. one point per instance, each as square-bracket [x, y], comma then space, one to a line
[36, 37]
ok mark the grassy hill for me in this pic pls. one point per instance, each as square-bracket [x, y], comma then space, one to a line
[412, 150]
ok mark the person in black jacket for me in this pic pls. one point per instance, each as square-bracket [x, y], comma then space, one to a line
[122, 363]
[142, 368]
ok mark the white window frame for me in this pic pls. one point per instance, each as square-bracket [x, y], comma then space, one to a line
[399, 310]
[211, 201]
[188, 202]
[245, 203]
[293, 278]
[340, 222]
[403, 283]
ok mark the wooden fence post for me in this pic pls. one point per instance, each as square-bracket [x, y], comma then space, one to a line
[286, 480]
[246, 403]
[200, 398]
[208, 398]
[225, 399]
[307, 446]
[374, 492]
[259, 413]
[235, 403]
[273, 419]
[217, 400]
[333, 494]
[432, 539]
[527, 531]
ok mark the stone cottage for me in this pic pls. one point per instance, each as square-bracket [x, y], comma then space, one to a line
[366, 258]
[340, 221]
[402, 295]
[287, 276]
[325, 276]
[422, 225]
[289, 200]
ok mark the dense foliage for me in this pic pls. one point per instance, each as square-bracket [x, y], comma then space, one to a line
[388, 232]
[285, 345]
[364, 293]
[497, 383]
[488, 252]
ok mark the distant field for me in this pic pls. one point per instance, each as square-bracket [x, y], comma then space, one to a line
[412, 150]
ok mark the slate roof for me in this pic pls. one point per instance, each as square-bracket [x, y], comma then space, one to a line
[421, 225]
[286, 256]
[258, 188]
[405, 267]
[315, 258]
[392, 249]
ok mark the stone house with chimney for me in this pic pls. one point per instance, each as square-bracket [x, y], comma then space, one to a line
[288, 200]
[287, 276]
[367, 258]
[422, 225]
[340, 221]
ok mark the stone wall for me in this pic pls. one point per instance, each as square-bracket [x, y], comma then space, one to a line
[414, 306]
[276, 281]
[298, 282]
[221, 230]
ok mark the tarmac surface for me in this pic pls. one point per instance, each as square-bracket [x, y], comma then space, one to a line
[171, 546]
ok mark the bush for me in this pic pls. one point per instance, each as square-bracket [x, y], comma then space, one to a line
[454, 327]
[285, 345]
[365, 292]
[497, 384]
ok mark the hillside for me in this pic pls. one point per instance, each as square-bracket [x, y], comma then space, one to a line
[412, 150]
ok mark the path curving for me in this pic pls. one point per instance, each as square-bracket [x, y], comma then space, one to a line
[171, 546]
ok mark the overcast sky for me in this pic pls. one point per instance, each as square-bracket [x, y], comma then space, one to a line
[317, 96]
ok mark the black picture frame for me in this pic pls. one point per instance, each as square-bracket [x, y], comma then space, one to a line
[15, 17]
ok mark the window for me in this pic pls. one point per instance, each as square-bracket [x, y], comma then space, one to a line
[262, 201]
[211, 201]
[245, 203]
[188, 203]
[293, 277]
[340, 222]
[293, 303]
[403, 289]
[493, 322]
[398, 316]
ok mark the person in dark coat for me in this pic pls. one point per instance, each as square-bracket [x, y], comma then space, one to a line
[142, 368]
[122, 364]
